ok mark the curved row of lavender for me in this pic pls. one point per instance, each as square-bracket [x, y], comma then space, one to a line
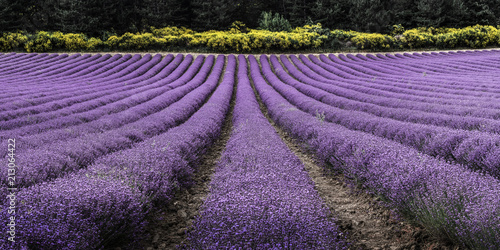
[397, 113]
[46, 92]
[400, 84]
[106, 204]
[413, 68]
[261, 196]
[109, 105]
[479, 151]
[415, 88]
[39, 161]
[121, 70]
[447, 199]
[138, 84]
[320, 75]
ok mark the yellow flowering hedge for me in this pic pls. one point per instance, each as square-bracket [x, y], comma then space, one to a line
[417, 39]
[477, 36]
[239, 38]
[44, 41]
[12, 41]
[373, 41]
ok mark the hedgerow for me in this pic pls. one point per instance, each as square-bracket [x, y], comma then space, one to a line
[241, 39]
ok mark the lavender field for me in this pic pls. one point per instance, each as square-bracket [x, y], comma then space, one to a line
[92, 145]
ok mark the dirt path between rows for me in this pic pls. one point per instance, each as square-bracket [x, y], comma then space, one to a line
[366, 223]
[167, 228]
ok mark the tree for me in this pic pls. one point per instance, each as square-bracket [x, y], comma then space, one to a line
[214, 14]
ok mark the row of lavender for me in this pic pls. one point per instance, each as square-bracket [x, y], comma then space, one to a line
[49, 92]
[409, 76]
[471, 141]
[446, 198]
[59, 151]
[261, 196]
[401, 89]
[106, 203]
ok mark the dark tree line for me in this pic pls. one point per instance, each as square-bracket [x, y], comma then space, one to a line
[99, 17]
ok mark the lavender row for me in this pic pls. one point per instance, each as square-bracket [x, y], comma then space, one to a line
[401, 114]
[177, 86]
[82, 91]
[53, 71]
[313, 76]
[17, 63]
[59, 67]
[452, 67]
[40, 65]
[23, 59]
[477, 150]
[437, 76]
[444, 65]
[14, 56]
[117, 67]
[47, 67]
[63, 77]
[417, 87]
[113, 71]
[483, 60]
[83, 87]
[435, 62]
[61, 157]
[86, 111]
[401, 93]
[415, 75]
[261, 197]
[434, 79]
[447, 199]
[21, 86]
[47, 101]
[107, 204]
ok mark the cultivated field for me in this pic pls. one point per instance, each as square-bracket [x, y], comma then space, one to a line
[94, 147]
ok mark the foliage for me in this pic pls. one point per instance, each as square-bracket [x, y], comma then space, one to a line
[239, 38]
[373, 41]
[274, 23]
[397, 30]
[95, 18]
[238, 27]
[47, 41]
[12, 41]
[477, 36]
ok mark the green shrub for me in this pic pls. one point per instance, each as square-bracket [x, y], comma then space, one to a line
[276, 23]
[397, 29]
